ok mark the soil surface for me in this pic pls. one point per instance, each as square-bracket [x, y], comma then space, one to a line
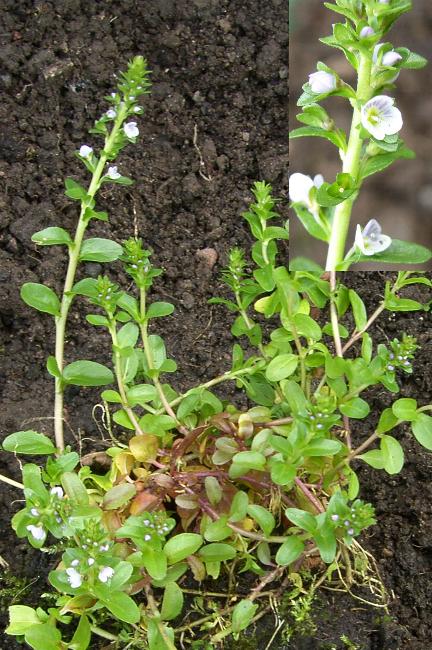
[400, 197]
[218, 66]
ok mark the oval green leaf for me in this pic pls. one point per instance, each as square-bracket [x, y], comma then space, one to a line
[41, 298]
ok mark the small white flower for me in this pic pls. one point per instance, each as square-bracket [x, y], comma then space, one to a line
[380, 117]
[111, 113]
[389, 58]
[300, 187]
[74, 578]
[38, 532]
[137, 109]
[34, 512]
[366, 32]
[103, 547]
[370, 240]
[90, 561]
[57, 491]
[131, 130]
[384, 2]
[322, 82]
[132, 97]
[105, 573]
[113, 95]
[85, 151]
[113, 173]
[74, 562]
[147, 538]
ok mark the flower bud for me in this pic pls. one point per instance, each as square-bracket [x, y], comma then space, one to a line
[390, 58]
[322, 82]
[366, 32]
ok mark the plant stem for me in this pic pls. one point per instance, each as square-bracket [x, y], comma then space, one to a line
[338, 343]
[341, 219]
[308, 494]
[120, 383]
[10, 481]
[103, 633]
[150, 362]
[67, 297]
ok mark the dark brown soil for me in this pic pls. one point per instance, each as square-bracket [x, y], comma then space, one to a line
[219, 65]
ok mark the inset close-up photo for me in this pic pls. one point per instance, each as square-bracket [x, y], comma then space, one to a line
[360, 181]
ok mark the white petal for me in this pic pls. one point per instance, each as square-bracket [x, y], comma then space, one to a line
[299, 187]
[57, 491]
[359, 242]
[106, 573]
[372, 228]
[318, 180]
[381, 244]
[322, 82]
[390, 58]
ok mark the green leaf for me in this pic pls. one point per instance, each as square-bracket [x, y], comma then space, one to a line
[301, 518]
[356, 408]
[294, 396]
[334, 366]
[218, 530]
[154, 561]
[322, 447]
[400, 252]
[141, 394]
[172, 603]
[52, 367]
[289, 551]
[118, 496]
[422, 430]
[119, 604]
[310, 223]
[74, 190]
[43, 637]
[87, 373]
[263, 517]
[359, 310]
[337, 137]
[97, 319]
[242, 615]
[374, 458]
[382, 161]
[307, 327]
[82, 636]
[74, 488]
[181, 546]
[281, 367]
[405, 409]
[239, 506]
[393, 454]
[21, 618]
[100, 250]
[28, 442]
[127, 336]
[52, 236]
[159, 309]
[394, 303]
[155, 639]
[41, 298]
[387, 421]
[250, 459]
[217, 552]
[326, 543]
[413, 61]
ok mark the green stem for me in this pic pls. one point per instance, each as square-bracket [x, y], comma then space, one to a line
[120, 383]
[74, 253]
[103, 633]
[228, 376]
[351, 164]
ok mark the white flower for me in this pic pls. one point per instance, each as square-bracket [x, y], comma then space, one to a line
[366, 32]
[104, 547]
[113, 173]
[34, 512]
[300, 187]
[137, 109]
[105, 573]
[90, 561]
[111, 113]
[322, 82]
[380, 117]
[370, 240]
[147, 538]
[384, 2]
[131, 130]
[57, 491]
[74, 562]
[85, 151]
[389, 58]
[38, 532]
[74, 578]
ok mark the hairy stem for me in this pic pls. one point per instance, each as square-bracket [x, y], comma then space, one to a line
[342, 215]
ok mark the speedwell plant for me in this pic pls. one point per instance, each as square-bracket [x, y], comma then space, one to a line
[193, 489]
[324, 206]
